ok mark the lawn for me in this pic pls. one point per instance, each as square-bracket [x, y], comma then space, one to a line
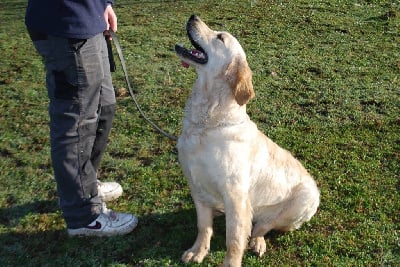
[327, 82]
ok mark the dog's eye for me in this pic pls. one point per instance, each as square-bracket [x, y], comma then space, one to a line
[220, 37]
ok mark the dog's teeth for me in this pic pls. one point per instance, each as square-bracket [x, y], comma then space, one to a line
[197, 54]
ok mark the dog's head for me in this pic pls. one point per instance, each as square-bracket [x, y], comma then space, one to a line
[220, 55]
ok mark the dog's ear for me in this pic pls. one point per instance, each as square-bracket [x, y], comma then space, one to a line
[238, 75]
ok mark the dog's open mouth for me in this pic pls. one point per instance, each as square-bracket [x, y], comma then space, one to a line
[197, 55]
[193, 55]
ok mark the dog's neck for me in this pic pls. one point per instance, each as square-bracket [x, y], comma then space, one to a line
[212, 105]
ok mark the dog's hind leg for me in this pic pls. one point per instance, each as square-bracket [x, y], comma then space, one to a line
[202, 244]
[264, 223]
[285, 216]
[299, 208]
[257, 241]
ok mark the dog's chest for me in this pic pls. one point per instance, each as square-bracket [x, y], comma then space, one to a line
[202, 165]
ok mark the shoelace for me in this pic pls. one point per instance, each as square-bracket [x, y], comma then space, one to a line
[99, 184]
[112, 215]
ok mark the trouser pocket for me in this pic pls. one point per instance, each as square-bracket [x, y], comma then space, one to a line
[76, 44]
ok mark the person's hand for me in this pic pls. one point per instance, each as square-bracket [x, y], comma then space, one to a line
[110, 18]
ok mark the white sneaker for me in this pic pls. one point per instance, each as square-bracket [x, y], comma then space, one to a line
[108, 191]
[109, 223]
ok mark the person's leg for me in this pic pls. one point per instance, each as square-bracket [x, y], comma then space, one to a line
[107, 191]
[74, 77]
[102, 133]
[107, 110]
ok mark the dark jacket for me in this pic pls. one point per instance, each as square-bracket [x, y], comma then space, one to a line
[80, 19]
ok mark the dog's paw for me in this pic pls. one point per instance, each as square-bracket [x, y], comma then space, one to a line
[257, 244]
[229, 262]
[193, 255]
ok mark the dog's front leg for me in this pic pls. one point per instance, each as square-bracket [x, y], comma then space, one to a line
[238, 226]
[204, 225]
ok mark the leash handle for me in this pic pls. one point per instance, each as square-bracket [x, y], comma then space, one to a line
[131, 91]
[113, 67]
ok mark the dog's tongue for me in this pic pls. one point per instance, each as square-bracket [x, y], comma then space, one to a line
[193, 52]
[185, 65]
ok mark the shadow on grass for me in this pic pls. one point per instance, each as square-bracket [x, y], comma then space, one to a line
[158, 240]
[12, 215]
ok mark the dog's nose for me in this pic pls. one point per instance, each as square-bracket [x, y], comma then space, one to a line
[194, 18]
[191, 22]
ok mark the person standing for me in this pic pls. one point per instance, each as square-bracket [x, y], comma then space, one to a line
[69, 35]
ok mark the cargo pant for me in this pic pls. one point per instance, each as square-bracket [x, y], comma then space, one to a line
[81, 108]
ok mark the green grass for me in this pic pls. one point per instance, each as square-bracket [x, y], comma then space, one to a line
[327, 81]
